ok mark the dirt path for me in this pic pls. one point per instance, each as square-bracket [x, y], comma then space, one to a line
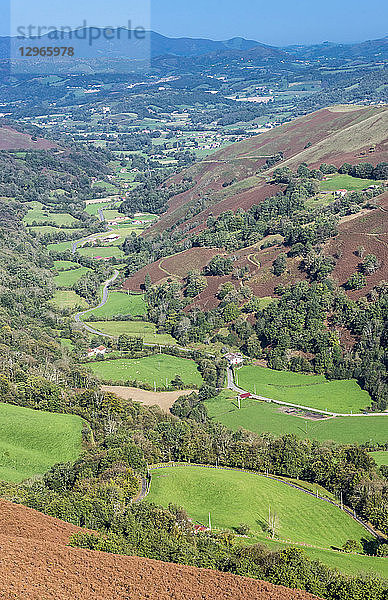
[164, 400]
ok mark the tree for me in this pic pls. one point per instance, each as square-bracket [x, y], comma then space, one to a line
[356, 281]
[279, 265]
[352, 546]
[370, 264]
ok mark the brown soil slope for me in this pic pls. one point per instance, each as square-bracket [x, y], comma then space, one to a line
[35, 564]
[10, 139]
[334, 135]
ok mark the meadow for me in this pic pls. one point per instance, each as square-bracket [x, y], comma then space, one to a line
[31, 441]
[345, 182]
[103, 251]
[66, 279]
[262, 417]
[159, 369]
[315, 391]
[380, 456]
[65, 265]
[120, 303]
[147, 331]
[39, 213]
[68, 299]
[233, 497]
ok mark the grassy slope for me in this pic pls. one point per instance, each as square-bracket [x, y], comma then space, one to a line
[120, 303]
[381, 457]
[68, 299]
[32, 441]
[134, 328]
[261, 417]
[234, 497]
[69, 278]
[306, 390]
[345, 182]
[149, 369]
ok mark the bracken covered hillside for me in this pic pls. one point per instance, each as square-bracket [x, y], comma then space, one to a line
[36, 564]
[333, 135]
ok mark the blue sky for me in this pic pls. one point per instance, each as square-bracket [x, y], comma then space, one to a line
[278, 23]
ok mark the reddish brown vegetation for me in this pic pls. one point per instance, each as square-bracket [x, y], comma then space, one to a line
[10, 139]
[35, 564]
[369, 231]
[334, 135]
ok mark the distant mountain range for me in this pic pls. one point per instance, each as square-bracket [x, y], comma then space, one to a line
[159, 46]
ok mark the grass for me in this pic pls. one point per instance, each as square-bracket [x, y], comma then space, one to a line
[60, 246]
[351, 564]
[68, 299]
[345, 182]
[147, 331]
[39, 213]
[31, 441]
[65, 265]
[103, 251]
[43, 229]
[381, 457]
[234, 497]
[313, 391]
[157, 368]
[66, 279]
[261, 417]
[120, 303]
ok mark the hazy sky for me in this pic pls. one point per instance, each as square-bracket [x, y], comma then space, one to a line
[279, 23]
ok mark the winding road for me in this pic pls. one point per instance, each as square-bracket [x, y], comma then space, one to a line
[104, 299]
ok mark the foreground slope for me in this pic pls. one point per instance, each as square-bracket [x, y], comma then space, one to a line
[37, 565]
[333, 135]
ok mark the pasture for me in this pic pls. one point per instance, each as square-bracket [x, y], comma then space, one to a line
[65, 265]
[159, 369]
[381, 456]
[261, 417]
[31, 441]
[345, 182]
[120, 303]
[233, 497]
[101, 251]
[313, 391]
[66, 279]
[68, 299]
[40, 214]
[147, 331]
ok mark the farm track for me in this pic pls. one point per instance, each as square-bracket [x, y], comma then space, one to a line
[146, 486]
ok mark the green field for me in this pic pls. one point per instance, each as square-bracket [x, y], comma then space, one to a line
[60, 246]
[262, 417]
[66, 279]
[68, 299]
[43, 229]
[234, 497]
[313, 391]
[65, 265]
[39, 213]
[157, 368]
[120, 303]
[345, 182]
[103, 251]
[381, 457]
[31, 441]
[147, 331]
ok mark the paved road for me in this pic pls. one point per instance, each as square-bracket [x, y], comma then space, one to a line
[104, 299]
[101, 215]
[89, 238]
[232, 386]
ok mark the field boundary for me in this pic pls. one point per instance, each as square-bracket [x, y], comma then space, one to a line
[146, 486]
